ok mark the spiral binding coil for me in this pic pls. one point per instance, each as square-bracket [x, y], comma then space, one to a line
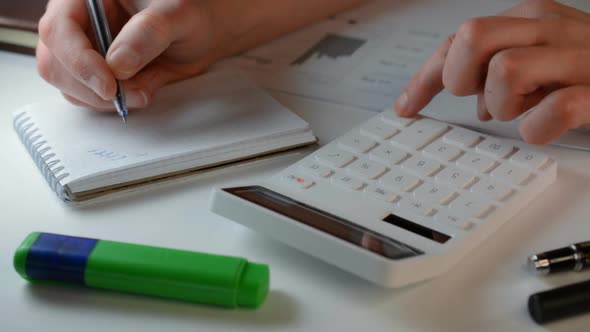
[47, 161]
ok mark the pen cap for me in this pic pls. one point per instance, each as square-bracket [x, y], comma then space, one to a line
[560, 302]
[253, 285]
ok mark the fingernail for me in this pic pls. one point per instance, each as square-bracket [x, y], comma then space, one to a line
[136, 99]
[401, 104]
[124, 60]
[98, 85]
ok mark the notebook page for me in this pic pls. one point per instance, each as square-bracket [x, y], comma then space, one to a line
[202, 114]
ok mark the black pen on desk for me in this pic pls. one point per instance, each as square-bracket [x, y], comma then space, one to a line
[575, 257]
[564, 301]
[104, 39]
[558, 303]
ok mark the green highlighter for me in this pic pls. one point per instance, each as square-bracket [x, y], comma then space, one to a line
[175, 274]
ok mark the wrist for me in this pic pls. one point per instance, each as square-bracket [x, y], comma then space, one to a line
[232, 23]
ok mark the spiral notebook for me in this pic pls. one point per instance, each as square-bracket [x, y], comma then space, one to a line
[193, 126]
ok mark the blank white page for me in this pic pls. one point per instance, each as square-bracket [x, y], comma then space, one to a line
[214, 111]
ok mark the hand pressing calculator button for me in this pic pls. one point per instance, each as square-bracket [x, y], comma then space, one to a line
[395, 200]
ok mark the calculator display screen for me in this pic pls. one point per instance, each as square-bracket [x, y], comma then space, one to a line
[326, 222]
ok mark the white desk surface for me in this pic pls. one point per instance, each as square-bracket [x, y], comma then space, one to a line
[487, 291]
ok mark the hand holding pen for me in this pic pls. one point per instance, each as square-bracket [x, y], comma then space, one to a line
[104, 39]
[155, 43]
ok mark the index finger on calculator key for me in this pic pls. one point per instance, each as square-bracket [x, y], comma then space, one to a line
[62, 30]
[425, 84]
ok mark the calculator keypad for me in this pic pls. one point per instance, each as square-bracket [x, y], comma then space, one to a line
[367, 169]
[419, 134]
[357, 143]
[529, 159]
[347, 182]
[442, 151]
[335, 157]
[388, 155]
[426, 168]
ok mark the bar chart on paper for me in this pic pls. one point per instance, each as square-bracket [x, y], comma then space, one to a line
[340, 55]
[363, 57]
[333, 51]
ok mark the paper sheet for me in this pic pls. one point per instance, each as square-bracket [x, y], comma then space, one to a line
[365, 57]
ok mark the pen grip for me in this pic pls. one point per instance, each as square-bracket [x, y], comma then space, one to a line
[100, 24]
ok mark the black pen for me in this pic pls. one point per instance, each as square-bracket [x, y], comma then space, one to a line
[560, 302]
[104, 40]
[575, 257]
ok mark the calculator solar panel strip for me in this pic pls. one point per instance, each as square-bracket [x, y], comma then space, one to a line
[395, 201]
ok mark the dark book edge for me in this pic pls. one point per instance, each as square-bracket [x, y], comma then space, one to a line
[17, 48]
[17, 24]
[11, 23]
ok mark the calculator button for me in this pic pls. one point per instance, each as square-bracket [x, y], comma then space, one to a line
[442, 151]
[357, 144]
[421, 166]
[434, 193]
[378, 130]
[388, 155]
[398, 180]
[455, 177]
[415, 206]
[347, 182]
[334, 157]
[367, 169]
[298, 181]
[469, 207]
[419, 134]
[476, 162]
[381, 193]
[389, 117]
[529, 159]
[462, 137]
[317, 169]
[494, 148]
[511, 173]
[447, 218]
[492, 189]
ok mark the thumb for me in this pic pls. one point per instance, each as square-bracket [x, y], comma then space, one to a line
[147, 35]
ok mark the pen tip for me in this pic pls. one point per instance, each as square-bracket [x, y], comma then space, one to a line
[538, 265]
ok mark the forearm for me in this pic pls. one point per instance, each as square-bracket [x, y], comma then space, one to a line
[242, 25]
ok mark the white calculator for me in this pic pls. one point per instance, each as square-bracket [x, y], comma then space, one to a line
[396, 200]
